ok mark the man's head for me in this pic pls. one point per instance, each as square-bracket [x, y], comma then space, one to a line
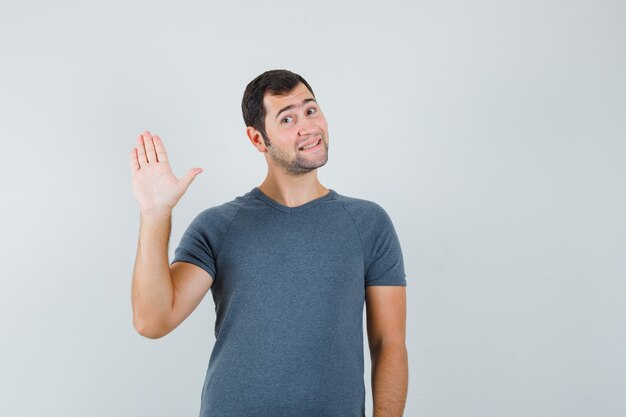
[286, 94]
[273, 82]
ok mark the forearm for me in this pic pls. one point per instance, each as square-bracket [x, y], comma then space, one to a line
[390, 379]
[152, 290]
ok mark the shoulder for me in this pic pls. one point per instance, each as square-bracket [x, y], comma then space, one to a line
[362, 210]
[221, 215]
[382, 253]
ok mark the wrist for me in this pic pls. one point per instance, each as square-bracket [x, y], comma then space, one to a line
[157, 213]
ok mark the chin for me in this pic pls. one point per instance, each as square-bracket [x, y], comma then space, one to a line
[321, 164]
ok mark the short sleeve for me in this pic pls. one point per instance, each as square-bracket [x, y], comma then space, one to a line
[195, 247]
[384, 263]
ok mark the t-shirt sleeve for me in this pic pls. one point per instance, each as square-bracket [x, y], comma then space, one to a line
[195, 246]
[384, 263]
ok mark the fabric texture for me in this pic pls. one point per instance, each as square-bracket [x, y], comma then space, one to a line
[289, 292]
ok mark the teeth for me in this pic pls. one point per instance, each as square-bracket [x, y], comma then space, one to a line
[310, 146]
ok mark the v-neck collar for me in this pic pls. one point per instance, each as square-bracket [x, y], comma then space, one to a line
[275, 204]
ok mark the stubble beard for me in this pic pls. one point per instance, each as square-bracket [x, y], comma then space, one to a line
[300, 164]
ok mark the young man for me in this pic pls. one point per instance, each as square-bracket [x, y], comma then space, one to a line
[289, 264]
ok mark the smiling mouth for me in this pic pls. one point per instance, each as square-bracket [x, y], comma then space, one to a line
[317, 144]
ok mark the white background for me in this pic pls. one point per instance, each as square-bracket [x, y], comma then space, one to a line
[492, 132]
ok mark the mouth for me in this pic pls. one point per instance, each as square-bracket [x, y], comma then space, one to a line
[312, 148]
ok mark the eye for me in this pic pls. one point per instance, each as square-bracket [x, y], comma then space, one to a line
[285, 118]
[314, 110]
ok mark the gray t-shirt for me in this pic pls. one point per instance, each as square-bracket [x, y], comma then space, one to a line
[289, 291]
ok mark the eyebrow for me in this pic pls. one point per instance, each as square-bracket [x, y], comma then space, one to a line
[306, 100]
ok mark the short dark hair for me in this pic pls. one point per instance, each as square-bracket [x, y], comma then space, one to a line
[275, 82]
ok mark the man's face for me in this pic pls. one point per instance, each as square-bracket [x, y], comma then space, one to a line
[291, 122]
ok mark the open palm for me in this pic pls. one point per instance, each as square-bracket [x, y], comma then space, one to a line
[155, 186]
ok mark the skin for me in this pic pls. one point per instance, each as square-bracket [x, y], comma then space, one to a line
[292, 174]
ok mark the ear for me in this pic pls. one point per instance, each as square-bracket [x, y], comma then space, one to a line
[256, 138]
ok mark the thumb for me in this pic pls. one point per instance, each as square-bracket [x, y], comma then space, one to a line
[190, 176]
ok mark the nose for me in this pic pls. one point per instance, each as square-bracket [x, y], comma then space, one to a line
[307, 127]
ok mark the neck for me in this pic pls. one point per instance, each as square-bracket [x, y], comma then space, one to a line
[293, 191]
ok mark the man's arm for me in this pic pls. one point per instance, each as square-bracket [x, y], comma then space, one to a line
[152, 291]
[154, 287]
[163, 296]
[386, 332]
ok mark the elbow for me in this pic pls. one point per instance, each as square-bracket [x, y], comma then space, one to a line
[390, 345]
[149, 332]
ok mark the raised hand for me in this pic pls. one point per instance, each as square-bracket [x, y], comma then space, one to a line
[154, 185]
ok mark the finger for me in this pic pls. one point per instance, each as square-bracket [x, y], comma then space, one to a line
[190, 176]
[150, 155]
[134, 164]
[160, 149]
[141, 151]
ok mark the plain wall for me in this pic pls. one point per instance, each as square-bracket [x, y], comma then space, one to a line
[492, 132]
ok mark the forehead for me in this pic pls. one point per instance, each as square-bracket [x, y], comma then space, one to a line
[274, 103]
